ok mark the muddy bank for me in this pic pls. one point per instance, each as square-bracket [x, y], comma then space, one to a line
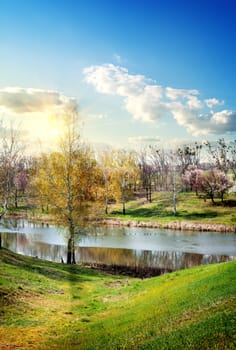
[182, 226]
[129, 271]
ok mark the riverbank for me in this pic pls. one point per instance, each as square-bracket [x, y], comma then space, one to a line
[193, 214]
[112, 221]
[54, 306]
[179, 225]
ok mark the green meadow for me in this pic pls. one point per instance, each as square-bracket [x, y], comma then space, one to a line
[47, 305]
[190, 208]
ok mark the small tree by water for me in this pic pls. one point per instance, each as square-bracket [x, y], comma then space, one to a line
[64, 177]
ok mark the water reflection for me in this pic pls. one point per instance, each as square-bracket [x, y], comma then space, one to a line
[133, 238]
[148, 259]
[128, 258]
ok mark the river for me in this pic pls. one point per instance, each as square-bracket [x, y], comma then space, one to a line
[129, 247]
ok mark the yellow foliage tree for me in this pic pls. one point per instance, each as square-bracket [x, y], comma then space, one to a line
[65, 179]
[124, 176]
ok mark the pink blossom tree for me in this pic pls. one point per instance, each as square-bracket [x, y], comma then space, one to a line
[192, 178]
[215, 183]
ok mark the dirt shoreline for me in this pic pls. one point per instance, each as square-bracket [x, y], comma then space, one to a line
[177, 225]
[129, 271]
[182, 225]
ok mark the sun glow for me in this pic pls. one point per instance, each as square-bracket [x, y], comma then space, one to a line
[43, 132]
[55, 132]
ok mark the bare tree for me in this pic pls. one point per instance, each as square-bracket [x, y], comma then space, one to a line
[148, 173]
[188, 155]
[10, 156]
[161, 161]
[10, 153]
[223, 156]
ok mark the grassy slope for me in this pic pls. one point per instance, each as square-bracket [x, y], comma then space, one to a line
[190, 208]
[54, 306]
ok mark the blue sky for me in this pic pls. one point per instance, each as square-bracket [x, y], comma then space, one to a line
[140, 71]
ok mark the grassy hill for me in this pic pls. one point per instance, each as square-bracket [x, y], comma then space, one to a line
[48, 305]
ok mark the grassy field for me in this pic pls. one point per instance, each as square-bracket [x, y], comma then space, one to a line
[190, 208]
[48, 305]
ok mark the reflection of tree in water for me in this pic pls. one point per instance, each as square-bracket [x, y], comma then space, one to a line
[9, 241]
[127, 258]
[22, 239]
[143, 259]
[24, 244]
[109, 256]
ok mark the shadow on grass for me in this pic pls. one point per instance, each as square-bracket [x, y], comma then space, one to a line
[160, 213]
[56, 271]
[205, 215]
[229, 203]
[144, 212]
[158, 210]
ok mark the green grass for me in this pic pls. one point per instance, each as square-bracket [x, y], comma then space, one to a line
[48, 305]
[190, 208]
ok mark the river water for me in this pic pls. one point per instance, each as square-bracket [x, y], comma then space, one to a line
[143, 248]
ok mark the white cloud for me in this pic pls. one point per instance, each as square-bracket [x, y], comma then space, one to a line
[213, 102]
[204, 124]
[174, 94]
[114, 80]
[146, 101]
[141, 99]
[182, 113]
[194, 102]
[224, 117]
[189, 96]
[146, 106]
[18, 100]
[144, 139]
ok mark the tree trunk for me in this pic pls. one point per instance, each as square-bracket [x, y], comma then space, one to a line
[212, 198]
[71, 243]
[174, 193]
[150, 193]
[123, 210]
[16, 199]
[69, 251]
[73, 250]
[106, 207]
[147, 193]
[174, 204]
[222, 197]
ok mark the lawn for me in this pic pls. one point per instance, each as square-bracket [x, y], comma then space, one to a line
[190, 208]
[47, 305]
